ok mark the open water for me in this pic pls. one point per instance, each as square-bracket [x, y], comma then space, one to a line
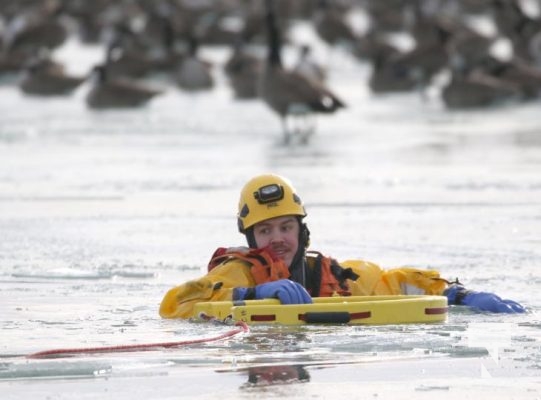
[102, 212]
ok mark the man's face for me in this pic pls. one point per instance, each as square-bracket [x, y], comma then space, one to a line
[281, 235]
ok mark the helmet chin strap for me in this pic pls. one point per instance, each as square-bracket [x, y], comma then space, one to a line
[298, 264]
[250, 238]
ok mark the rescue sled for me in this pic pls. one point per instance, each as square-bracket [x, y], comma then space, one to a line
[353, 310]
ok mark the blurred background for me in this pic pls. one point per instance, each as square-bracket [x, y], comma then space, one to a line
[462, 53]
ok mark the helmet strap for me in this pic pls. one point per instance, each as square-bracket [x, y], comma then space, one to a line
[298, 264]
[304, 235]
[250, 238]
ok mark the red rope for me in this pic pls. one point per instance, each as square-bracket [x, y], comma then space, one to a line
[242, 327]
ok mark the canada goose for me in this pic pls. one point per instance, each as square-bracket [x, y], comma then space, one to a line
[508, 17]
[47, 78]
[91, 18]
[371, 45]
[515, 71]
[168, 50]
[158, 21]
[473, 89]
[394, 70]
[36, 28]
[390, 75]
[475, 6]
[386, 16]
[308, 67]
[253, 22]
[127, 63]
[414, 69]
[429, 29]
[533, 50]
[11, 64]
[471, 47]
[219, 27]
[117, 93]
[520, 27]
[242, 70]
[330, 25]
[125, 54]
[288, 93]
[194, 74]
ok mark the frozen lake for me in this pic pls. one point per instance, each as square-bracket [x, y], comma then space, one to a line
[102, 212]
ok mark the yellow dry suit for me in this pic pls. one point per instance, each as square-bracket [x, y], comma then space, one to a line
[326, 277]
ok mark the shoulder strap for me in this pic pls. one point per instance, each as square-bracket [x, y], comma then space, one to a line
[327, 277]
[263, 267]
[313, 274]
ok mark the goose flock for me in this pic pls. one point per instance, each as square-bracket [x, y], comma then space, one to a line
[479, 53]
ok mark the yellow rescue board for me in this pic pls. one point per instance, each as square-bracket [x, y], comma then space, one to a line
[353, 310]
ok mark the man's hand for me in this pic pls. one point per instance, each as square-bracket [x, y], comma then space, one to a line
[484, 301]
[287, 291]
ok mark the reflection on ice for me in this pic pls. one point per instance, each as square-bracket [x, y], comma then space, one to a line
[276, 375]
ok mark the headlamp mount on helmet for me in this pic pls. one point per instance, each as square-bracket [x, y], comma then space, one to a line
[269, 193]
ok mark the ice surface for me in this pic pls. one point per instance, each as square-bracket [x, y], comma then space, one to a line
[101, 213]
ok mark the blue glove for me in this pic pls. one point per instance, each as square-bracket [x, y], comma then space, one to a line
[288, 292]
[457, 294]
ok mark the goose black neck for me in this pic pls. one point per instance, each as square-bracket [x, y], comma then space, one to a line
[168, 33]
[193, 46]
[274, 57]
[323, 5]
[101, 73]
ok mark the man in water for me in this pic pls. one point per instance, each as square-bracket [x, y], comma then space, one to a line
[277, 264]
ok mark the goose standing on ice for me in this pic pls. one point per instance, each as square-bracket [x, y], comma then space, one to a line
[293, 97]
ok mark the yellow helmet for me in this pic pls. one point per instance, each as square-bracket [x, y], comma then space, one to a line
[267, 196]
